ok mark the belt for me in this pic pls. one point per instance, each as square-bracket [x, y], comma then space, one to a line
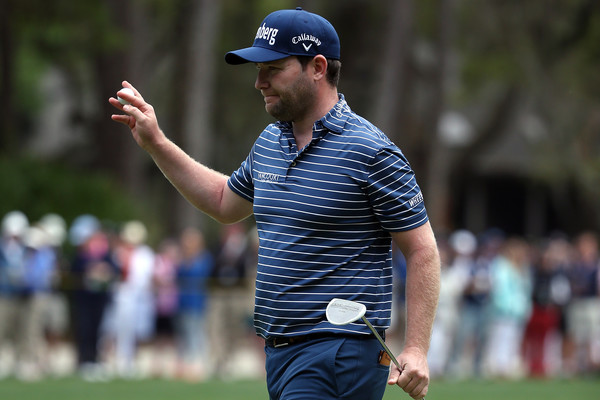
[281, 341]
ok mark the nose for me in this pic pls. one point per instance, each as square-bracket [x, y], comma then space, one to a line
[261, 80]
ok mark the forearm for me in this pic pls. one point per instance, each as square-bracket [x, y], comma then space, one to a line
[203, 187]
[422, 292]
[420, 250]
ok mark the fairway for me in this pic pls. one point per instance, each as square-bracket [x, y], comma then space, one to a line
[75, 389]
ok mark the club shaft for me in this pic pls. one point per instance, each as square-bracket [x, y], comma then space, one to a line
[387, 350]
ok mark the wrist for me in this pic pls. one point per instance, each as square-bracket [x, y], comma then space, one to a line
[415, 349]
[157, 143]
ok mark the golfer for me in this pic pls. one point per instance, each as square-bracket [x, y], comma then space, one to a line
[329, 192]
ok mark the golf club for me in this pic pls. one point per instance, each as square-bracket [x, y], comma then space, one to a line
[344, 312]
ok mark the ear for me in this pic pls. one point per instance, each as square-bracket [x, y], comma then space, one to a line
[319, 67]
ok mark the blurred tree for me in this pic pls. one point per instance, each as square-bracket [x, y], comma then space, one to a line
[414, 69]
[461, 86]
[114, 150]
[7, 131]
[535, 58]
[70, 41]
[193, 93]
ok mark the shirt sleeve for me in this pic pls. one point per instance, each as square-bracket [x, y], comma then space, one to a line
[241, 181]
[393, 191]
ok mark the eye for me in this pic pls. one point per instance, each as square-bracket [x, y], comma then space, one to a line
[267, 67]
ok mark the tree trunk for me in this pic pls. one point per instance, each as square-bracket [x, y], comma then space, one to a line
[397, 112]
[7, 127]
[112, 145]
[436, 155]
[390, 94]
[193, 85]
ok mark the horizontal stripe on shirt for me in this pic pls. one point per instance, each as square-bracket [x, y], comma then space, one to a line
[324, 216]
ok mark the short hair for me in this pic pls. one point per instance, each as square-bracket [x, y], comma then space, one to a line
[333, 68]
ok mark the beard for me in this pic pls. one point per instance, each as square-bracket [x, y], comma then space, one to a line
[294, 102]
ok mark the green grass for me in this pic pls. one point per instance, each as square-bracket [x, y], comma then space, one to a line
[76, 389]
[518, 390]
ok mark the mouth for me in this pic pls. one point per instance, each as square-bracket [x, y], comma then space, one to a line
[270, 98]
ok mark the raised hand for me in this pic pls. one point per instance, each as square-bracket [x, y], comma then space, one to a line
[139, 117]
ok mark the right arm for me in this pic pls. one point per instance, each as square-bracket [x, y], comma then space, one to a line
[203, 187]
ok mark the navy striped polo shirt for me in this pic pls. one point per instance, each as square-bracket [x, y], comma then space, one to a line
[323, 216]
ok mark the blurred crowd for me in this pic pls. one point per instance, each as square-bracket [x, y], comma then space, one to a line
[512, 308]
[96, 299]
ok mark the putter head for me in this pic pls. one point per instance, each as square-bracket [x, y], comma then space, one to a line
[343, 312]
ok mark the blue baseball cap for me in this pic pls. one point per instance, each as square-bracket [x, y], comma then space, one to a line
[286, 33]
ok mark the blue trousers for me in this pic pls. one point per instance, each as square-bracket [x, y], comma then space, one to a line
[327, 368]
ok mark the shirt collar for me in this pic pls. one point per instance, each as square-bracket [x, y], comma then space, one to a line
[334, 120]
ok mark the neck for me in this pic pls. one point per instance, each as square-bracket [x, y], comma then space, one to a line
[303, 128]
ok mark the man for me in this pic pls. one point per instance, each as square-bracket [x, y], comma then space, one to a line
[329, 193]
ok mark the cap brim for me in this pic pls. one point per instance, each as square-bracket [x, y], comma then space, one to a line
[254, 55]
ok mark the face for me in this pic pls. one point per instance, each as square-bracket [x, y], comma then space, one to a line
[287, 89]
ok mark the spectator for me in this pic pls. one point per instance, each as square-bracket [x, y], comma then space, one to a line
[134, 300]
[56, 317]
[165, 300]
[473, 321]
[583, 315]
[94, 272]
[458, 257]
[551, 292]
[192, 274]
[12, 273]
[509, 307]
[41, 269]
[229, 296]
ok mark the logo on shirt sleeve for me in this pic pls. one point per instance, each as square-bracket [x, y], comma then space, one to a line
[416, 200]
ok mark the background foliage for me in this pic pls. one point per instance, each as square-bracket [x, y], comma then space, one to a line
[520, 76]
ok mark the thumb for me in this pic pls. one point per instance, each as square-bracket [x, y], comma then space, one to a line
[394, 375]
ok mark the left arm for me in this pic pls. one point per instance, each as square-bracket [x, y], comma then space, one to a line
[422, 291]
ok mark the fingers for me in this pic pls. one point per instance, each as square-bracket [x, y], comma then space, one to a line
[130, 86]
[115, 103]
[138, 115]
[124, 119]
[132, 109]
[129, 98]
[413, 381]
[136, 100]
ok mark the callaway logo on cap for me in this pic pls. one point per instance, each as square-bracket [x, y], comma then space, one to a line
[289, 33]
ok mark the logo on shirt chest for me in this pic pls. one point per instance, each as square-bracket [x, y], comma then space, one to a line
[269, 177]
